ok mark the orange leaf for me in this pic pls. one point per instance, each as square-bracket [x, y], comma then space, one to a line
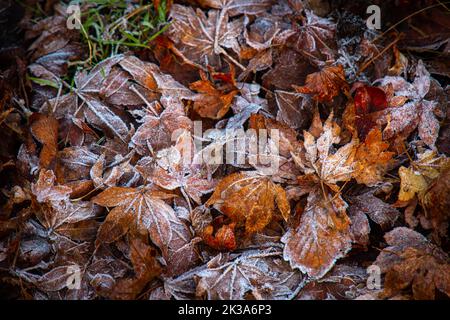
[224, 238]
[213, 101]
[325, 84]
[250, 200]
[372, 159]
[45, 130]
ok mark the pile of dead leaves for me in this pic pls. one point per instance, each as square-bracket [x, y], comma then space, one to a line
[98, 202]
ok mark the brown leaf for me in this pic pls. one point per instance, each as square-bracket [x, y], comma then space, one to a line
[254, 274]
[200, 39]
[250, 200]
[146, 267]
[322, 237]
[45, 130]
[175, 169]
[314, 37]
[158, 132]
[319, 163]
[342, 282]
[140, 209]
[293, 109]
[376, 209]
[325, 84]
[45, 190]
[56, 279]
[213, 102]
[150, 76]
[412, 261]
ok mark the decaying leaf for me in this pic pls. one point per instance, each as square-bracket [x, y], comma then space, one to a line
[143, 211]
[343, 282]
[213, 102]
[174, 169]
[321, 163]
[145, 268]
[412, 261]
[255, 274]
[45, 130]
[325, 84]
[322, 237]
[159, 131]
[250, 200]
[376, 209]
[416, 178]
[372, 159]
[178, 151]
[201, 39]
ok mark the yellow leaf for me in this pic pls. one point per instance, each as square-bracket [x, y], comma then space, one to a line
[411, 183]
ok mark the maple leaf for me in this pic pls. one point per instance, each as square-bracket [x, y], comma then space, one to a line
[372, 159]
[314, 37]
[411, 260]
[56, 279]
[76, 162]
[325, 84]
[323, 234]
[57, 213]
[157, 131]
[143, 210]
[150, 76]
[418, 113]
[254, 274]
[293, 109]
[201, 39]
[322, 237]
[213, 101]
[319, 163]
[376, 209]
[94, 109]
[54, 46]
[45, 190]
[342, 282]
[175, 169]
[250, 200]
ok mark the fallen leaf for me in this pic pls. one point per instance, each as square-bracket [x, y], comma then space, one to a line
[416, 178]
[372, 159]
[322, 237]
[159, 131]
[376, 209]
[412, 261]
[250, 200]
[213, 102]
[45, 130]
[201, 39]
[325, 84]
[255, 274]
[145, 267]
